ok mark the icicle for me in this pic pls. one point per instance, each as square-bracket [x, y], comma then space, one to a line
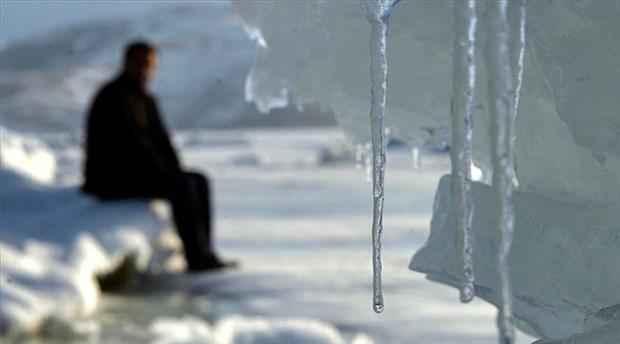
[415, 158]
[503, 99]
[359, 156]
[518, 64]
[363, 159]
[377, 12]
[463, 84]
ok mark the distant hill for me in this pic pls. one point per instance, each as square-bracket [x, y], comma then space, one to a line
[47, 81]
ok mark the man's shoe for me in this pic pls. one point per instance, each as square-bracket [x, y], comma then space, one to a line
[211, 264]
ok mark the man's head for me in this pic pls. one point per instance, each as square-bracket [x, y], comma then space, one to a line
[141, 60]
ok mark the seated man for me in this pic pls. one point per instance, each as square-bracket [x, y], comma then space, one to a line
[129, 155]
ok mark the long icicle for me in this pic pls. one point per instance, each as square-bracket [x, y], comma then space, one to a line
[463, 84]
[518, 64]
[501, 105]
[378, 12]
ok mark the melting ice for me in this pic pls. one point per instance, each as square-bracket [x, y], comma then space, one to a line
[462, 108]
[567, 146]
[377, 13]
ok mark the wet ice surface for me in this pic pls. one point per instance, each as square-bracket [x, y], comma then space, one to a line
[300, 229]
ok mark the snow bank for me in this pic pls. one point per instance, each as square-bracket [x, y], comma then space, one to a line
[243, 330]
[26, 155]
[55, 240]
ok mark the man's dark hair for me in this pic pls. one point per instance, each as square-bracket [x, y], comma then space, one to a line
[138, 47]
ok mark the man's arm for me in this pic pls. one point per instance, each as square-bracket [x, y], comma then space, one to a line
[161, 137]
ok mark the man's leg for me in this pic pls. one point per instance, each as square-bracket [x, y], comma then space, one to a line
[185, 200]
[201, 199]
[189, 196]
[200, 196]
[179, 190]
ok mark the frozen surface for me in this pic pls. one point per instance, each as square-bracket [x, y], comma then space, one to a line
[292, 208]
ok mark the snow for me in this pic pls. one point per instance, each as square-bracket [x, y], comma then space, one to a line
[56, 240]
[297, 223]
[253, 330]
[27, 155]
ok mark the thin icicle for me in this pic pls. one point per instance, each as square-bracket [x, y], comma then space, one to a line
[363, 159]
[359, 156]
[503, 108]
[415, 157]
[518, 64]
[378, 12]
[463, 84]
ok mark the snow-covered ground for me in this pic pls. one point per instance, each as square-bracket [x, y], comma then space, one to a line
[298, 222]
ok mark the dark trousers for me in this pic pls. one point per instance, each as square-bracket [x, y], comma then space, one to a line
[189, 196]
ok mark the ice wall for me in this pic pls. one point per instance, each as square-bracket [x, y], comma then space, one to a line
[318, 52]
[567, 149]
[563, 262]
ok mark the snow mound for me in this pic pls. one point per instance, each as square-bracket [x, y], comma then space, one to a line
[26, 154]
[244, 330]
[55, 240]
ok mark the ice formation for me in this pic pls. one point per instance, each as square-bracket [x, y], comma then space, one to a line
[462, 107]
[378, 13]
[561, 75]
[501, 104]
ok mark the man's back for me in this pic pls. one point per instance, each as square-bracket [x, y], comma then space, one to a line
[126, 141]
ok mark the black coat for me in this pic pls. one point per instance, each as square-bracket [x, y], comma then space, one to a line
[127, 142]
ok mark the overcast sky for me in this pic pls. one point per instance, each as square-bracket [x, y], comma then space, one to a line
[23, 19]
